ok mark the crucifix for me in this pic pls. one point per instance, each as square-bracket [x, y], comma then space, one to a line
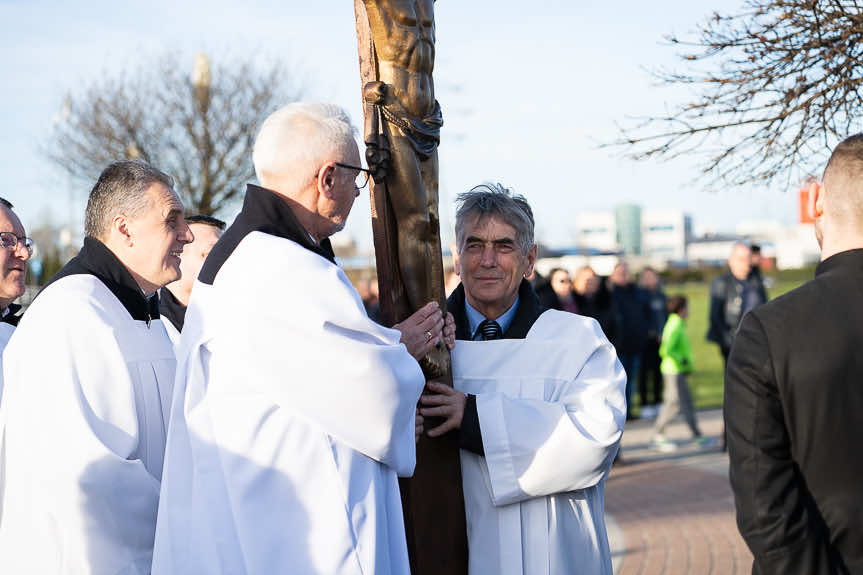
[401, 133]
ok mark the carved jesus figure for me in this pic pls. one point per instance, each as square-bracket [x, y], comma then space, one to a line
[403, 35]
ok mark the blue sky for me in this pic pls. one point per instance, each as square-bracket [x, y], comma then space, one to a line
[527, 89]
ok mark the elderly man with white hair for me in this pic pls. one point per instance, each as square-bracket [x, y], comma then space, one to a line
[292, 420]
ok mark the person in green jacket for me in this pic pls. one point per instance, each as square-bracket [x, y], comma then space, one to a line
[677, 363]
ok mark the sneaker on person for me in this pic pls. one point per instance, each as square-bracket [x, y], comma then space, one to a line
[661, 443]
[704, 442]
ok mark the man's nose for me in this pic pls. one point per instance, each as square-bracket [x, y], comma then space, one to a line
[489, 257]
[187, 237]
[21, 251]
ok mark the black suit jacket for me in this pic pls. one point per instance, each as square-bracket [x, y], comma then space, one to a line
[793, 412]
[528, 311]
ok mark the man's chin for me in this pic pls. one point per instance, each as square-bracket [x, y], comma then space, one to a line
[173, 275]
[487, 297]
[339, 226]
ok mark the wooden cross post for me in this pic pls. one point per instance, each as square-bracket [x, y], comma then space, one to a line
[432, 499]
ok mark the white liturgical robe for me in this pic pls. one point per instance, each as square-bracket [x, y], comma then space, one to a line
[6, 332]
[551, 411]
[290, 424]
[86, 395]
[172, 332]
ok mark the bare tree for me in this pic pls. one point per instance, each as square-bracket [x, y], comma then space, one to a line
[774, 86]
[197, 126]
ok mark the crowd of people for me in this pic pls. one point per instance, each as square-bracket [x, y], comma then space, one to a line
[633, 313]
[162, 413]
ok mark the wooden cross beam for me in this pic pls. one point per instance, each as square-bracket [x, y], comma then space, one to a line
[432, 499]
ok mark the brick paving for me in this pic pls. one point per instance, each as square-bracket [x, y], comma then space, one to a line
[673, 514]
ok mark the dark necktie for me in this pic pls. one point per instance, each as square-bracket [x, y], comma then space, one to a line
[489, 329]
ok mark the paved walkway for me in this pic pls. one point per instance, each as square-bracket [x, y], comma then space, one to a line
[673, 513]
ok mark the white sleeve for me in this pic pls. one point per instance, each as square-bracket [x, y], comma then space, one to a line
[317, 353]
[563, 441]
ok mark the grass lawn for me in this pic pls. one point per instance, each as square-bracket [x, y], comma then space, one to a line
[707, 379]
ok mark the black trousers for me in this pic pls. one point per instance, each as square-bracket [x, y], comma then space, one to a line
[650, 361]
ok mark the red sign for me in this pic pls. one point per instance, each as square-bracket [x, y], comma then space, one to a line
[805, 216]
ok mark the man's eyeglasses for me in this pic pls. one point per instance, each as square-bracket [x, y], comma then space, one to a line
[362, 174]
[10, 241]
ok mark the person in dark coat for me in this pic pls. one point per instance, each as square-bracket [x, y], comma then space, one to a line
[755, 274]
[650, 360]
[732, 295]
[558, 293]
[794, 399]
[632, 317]
[594, 300]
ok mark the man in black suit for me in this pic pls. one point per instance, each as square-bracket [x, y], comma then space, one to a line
[794, 398]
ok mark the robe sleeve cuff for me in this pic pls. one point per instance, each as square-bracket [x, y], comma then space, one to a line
[470, 435]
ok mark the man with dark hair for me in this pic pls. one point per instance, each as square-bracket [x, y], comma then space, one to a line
[558, 293]
[755, 275]
[650, 365]
[794, 400]
[174, 297]
[538, 403]
[632, 318]
[88, 382]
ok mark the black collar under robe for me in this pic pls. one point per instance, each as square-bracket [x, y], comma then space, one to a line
[97, 260]
[263, 211]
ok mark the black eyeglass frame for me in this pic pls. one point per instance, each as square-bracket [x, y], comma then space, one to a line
[361, 170]
[23, 240]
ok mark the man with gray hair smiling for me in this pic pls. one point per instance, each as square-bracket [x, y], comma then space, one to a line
[538, 403]
[292, 420]
[88, 379]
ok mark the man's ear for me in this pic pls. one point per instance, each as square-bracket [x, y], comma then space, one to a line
[816, 200]
[327, 180]
[531, 260]
[120, 228]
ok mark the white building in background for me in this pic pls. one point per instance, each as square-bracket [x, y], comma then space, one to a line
[796, 247]
[665, 234]
[601, 264]
[596, 231]
[793, 246]
[712, 250]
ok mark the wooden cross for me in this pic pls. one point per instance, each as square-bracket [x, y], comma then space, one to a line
[432, 499]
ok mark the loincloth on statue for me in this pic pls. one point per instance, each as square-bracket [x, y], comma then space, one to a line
[422, 133]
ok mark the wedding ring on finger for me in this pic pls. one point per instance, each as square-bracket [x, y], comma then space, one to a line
[429, 336]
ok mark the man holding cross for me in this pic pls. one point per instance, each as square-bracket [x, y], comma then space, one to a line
[538, 404]
[291, 421]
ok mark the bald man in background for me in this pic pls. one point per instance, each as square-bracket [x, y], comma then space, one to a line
[794, 399]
